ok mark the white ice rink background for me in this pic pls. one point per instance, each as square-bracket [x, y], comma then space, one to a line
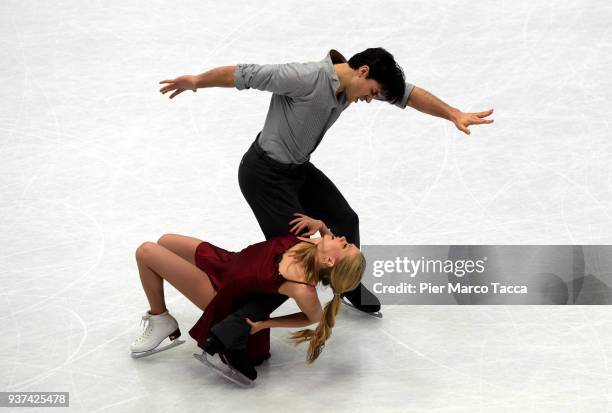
[94, 161]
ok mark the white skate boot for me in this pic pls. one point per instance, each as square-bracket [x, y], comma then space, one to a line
[157, 328]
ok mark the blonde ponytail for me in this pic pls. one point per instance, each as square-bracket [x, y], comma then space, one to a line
[344, 276]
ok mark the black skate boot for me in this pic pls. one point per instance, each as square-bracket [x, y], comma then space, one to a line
[237, 360]
[212, 345]
[231, 364]
[362, 299]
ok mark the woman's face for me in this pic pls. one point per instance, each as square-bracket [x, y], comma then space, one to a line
[333, 248]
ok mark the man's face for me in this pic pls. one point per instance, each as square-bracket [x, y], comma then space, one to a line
[361, 88]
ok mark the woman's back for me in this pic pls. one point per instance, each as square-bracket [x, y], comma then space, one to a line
[255, 268]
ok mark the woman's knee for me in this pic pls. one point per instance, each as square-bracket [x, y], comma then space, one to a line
[182, 245]
[164, 239]
[144, 249]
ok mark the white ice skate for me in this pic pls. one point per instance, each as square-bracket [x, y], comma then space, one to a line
[157, 328]
[346, 302]
[224, 369]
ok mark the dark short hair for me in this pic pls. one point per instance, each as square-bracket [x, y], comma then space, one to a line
[384, 70]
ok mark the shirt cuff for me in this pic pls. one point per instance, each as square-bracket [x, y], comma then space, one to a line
[239, 77]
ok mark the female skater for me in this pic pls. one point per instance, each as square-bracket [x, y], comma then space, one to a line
[218, 281]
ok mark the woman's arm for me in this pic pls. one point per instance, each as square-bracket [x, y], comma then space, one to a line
[307, 299]
[288, 321]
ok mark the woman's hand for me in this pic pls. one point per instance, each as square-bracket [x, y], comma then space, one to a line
[180, 84]
[304, 221]
[255, 326]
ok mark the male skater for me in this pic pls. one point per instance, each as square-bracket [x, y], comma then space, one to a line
[276, 176]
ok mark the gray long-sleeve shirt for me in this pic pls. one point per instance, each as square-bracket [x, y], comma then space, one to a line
[303, 106]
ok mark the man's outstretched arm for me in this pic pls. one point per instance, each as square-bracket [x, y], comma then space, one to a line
[425, 102]
[220, 77]
[290, 79]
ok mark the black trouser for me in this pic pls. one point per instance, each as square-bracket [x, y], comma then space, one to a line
[275, 191]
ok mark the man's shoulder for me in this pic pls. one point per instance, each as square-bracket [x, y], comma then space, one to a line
[315, 73]
[318, 66]
[312, 66]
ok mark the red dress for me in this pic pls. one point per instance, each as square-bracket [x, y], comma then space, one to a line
[234, 276]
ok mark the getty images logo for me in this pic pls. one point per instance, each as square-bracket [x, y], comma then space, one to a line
[412, 267]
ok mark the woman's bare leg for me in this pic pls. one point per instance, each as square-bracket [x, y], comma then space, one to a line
[156, 263]
[181, 245]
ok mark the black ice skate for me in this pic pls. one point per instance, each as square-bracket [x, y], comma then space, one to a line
[362, 300]
[231, 364]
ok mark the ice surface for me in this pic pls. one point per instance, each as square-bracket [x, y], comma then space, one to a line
[95, 161]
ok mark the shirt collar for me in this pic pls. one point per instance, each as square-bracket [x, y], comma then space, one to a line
[331, 58]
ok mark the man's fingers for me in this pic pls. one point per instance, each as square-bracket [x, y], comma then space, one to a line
[480, 121]
[297, 220]
[166, 81]
[167, 88]
[485, 113]
[176, 93]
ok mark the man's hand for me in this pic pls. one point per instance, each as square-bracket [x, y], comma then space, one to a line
[180, 84]
[463, 120]
[304, 221]
[422, 100]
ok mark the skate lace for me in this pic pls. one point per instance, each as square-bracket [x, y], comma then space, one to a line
[146, 324]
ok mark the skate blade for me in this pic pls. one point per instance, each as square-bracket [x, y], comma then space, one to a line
[230, 374]
[141, 354]
[377, 314]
